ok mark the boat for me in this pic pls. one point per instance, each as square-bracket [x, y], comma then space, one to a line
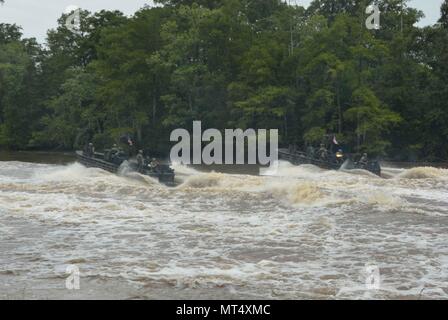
[301, 158]
[162, 172]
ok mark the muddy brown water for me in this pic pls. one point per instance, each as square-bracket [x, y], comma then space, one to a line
[296, 233]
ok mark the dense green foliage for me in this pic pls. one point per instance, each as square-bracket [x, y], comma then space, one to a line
[236, 63]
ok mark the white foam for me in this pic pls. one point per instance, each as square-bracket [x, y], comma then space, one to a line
[300, 233]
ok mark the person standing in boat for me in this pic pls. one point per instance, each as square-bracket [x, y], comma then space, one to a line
[140, 161]
[323, 152]
[114, 149]
[154, 165]
[89, 150]
[113, 152]
[364, 160]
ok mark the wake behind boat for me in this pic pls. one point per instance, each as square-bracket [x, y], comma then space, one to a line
[162, 172]
[300, 158]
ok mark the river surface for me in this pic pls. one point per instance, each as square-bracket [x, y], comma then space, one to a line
[294, 233]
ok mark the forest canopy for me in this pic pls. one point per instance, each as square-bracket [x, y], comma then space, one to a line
[231, 64]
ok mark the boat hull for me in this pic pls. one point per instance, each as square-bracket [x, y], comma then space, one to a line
[97, 161]
[299, 158]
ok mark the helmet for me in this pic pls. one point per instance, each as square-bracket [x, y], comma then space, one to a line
[141, 151]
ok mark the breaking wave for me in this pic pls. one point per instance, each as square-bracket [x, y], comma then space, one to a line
[307, 193]
[424, 173]
[386, 202]
[72, 172]
[203, 181]
[297, 232]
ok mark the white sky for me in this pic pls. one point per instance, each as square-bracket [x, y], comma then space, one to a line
[37, 16]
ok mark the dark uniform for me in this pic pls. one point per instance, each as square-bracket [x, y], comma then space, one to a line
[89, 150]
[115, 155]
[113, 152]
[364, 160]
[154, 165]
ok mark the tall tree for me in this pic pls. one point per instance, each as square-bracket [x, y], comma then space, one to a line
[17, 86]
[444, 14]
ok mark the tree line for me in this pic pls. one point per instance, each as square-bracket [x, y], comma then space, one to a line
[255, 64]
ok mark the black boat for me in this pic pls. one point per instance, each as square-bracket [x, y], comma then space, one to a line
[162, 172]
[300, 158]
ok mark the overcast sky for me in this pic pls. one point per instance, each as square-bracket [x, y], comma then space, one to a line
[37, 16]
